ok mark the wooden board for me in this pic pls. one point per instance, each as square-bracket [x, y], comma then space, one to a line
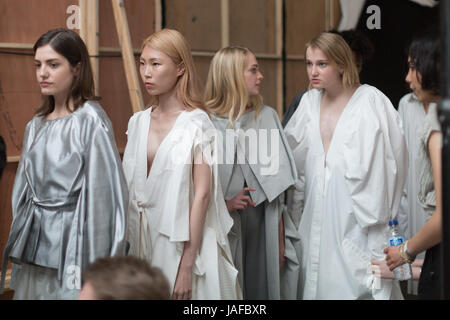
[304, 20]
[23, 21]
[198, 20]
[141, 19]
[19, 98]
[6, 186]
[296, 80]
[252, 25]
[269, 84]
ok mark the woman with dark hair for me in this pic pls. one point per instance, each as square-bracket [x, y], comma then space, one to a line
[70, 196]
[423, 79]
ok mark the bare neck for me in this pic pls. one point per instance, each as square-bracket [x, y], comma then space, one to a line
[338, 91]
[169, 103]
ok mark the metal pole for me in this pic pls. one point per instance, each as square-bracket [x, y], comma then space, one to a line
[444, 117]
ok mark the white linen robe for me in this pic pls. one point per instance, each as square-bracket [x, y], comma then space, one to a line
[159, 207]
[348, 197]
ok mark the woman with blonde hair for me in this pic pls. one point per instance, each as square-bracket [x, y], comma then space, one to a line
[177, 216]
[351, 157]
[263, 237]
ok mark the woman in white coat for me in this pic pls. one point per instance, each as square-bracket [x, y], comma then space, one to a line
[351, 157]
[177, 216]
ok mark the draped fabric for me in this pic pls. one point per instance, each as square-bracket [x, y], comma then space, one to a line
[348, 195]
[160, 204]
[69, 197]
[255, 153]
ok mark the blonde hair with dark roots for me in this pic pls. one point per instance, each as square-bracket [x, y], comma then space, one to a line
[226, 90]
[338, 51]
[175, 45]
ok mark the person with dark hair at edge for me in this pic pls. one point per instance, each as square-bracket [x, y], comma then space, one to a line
[423, 78]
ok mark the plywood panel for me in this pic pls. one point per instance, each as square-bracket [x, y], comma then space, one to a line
[296, 80]
[198, 20]
[269, 84]
[19, 98]
[115, 97]
[304, 20]
[202, 64]
[6, 186]
[141, 20]
[23, 21]
[252, 25]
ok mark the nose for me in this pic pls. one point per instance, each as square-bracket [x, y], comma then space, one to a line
[147, 71]
[408, 76]
[314, 70]
[261, 77]
[43, 71]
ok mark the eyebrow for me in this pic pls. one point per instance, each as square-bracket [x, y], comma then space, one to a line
[49, 60]
[319, 61]
[151, 59]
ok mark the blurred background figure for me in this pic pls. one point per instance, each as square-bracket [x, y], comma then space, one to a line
[124, 278]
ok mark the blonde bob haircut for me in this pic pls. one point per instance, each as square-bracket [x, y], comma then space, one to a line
[226, 92]
[338, 51]
[175, 45]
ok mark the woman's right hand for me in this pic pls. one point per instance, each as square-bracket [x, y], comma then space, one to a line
[240, 201]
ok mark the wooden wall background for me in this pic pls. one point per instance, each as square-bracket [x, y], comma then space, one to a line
[208, 24]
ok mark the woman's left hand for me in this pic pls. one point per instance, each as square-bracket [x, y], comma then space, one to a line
[183, 284]
[393, 259]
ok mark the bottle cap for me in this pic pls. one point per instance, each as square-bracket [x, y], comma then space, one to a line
[393, 222]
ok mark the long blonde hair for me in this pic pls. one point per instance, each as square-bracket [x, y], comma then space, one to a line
[226, 90]
[175, 45]
[337, 50]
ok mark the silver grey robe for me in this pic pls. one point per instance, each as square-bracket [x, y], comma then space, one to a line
[266, 164]
[69, 197]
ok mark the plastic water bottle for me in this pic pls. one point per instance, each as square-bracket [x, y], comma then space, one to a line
[402, 272]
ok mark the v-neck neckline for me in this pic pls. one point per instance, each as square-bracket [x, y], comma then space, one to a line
[337, 123]
[147, 171]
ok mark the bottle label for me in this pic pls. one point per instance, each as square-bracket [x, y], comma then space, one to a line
[395, 241]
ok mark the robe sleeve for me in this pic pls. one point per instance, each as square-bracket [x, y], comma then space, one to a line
[404, 203]
[377, 164]
[295, 132]
[19, 193]
[106, 196]
[205, 144]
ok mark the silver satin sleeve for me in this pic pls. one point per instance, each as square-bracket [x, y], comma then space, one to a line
[106, 195]
[70, 195]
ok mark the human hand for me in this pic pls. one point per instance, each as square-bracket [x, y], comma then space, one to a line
[393, 259]
[183, 284]
[240, 201]
[381, 270]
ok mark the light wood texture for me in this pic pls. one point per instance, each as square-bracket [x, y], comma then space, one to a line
[131, 74]
[158, 15]
[198, 20]
[89, 32]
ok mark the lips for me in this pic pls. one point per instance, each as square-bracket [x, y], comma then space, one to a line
[149, 85]
[45, 84]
